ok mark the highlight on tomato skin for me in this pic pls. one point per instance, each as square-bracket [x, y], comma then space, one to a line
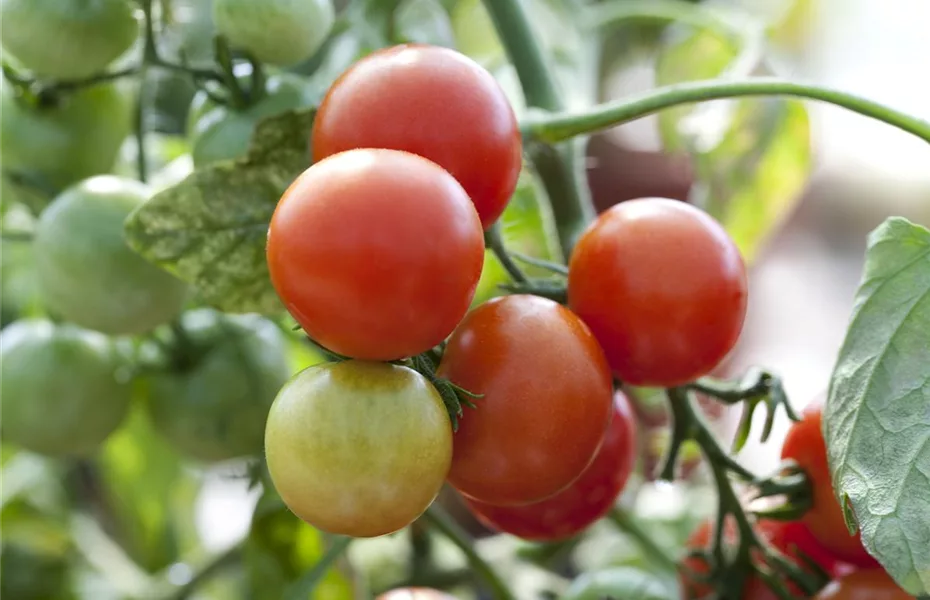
[546, 399]
[376, 253]
[663, 288]
[864, 584]
[585, 501]
[805, 445]
[434, 102]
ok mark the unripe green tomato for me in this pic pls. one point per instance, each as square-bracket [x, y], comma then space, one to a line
[223, 133]
[65, 389]
[78, 137]
[67, 39]
[87, 273]
[214, 407]
[279, 32]
[358, 448]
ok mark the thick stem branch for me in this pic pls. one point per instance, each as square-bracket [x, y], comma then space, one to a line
[495, 242]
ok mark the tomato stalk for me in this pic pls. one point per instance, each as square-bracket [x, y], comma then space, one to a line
[630, 527]
[445, 524]
[304, 587]
[561, 169]
[553, 128]
[209, 569]
[495, 242]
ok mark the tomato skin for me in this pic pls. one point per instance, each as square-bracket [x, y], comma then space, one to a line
[415, 593]
[85, 270]
[358, 448]
[586, 500]
[662, 287]
[537, 366]
[280, 32]
[805, 445]
[78, 138]
[65, 389]
[795, 538]
[376, 253]
[430, 101]
[67, 39]
[215, 407]
[866, 584]
[224, 133]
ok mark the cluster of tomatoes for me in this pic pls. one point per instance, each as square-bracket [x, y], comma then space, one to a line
[376, 251]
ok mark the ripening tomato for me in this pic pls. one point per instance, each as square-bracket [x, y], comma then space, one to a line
[358, 448]
[805, 444]
[795, 539]
[575, 508]
[415, 593]
[662, 287]
[867, 584]
[546, 399]
[376, 253]
[430, 101]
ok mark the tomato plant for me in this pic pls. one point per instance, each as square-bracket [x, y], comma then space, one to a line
[586, 500]
[433, 102]
[354, 253]
[662, 287]
[88, 274]
[505, 350]
[805, 445]
[66, 38]
[68, 141]
[213, 405]
[222, 132]
[867, 584]
[65, 389]
[280, 32]
[358, 448]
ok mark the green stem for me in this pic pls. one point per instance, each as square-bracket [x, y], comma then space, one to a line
[438, 518]
[629, 526]
[558, 127]
[495, 242]
[139, 131]
[303, 588]
[218, 563]
[76, 84]
[515, 33]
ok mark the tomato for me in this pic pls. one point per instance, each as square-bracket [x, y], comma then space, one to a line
[88, 274]
[79, 137]
[867, 584]
[575, 508]
[795, 539]
[224, 133]
[66, 39]
[280, 32]
[804, 443]
[619, 583]
[692, 589]
[415, 593]
[376, 253]
[434, 102]
[662, 287]
[214, 407]
[65, 389]
[547, 396]
[358, 448]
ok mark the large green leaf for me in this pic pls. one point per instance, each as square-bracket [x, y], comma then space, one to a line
[752, 157]
[877, 417]
[280, 548]
[210, 229]
[149, 493]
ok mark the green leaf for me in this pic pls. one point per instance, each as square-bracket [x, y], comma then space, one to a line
[752, 157]
[280, 549]
[877, 416]
[621, 583]
[210, 229]
[150, 493]
[423, 22]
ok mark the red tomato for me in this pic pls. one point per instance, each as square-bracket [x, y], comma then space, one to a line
[662, 287]
[795, 539]
[434, 102]
[585, 501]
[376, 253]
[867, 584]
[547, 399]
[804, 443]
[415, 593]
